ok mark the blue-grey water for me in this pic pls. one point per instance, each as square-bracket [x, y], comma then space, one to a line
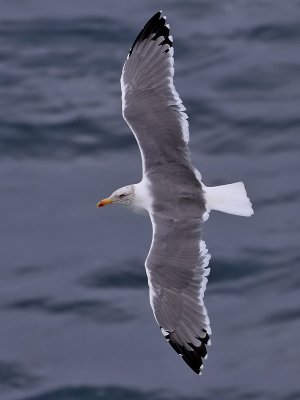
[75, 320]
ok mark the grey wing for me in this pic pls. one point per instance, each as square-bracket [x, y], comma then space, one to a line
[150, 103]
[177, 275]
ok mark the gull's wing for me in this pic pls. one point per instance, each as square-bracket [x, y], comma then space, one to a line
[150, 103]
[177, 261]
[177, 274]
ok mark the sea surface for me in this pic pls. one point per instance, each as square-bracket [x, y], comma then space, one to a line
[75, 319]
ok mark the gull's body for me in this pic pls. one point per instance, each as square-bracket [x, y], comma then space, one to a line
[172, 192]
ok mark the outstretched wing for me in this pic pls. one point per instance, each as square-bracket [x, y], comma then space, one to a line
[177, 274]
[177, 262]
[151, 105]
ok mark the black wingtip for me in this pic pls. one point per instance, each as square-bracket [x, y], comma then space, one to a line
[194, 358]
[157, 26]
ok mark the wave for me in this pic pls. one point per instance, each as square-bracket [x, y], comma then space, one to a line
[101, 311]
[123, 393]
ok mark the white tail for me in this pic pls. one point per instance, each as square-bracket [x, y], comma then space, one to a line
[231, 199]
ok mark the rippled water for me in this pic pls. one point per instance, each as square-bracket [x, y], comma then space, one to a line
[75, 320]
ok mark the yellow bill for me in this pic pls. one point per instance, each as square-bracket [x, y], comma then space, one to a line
[104, 202]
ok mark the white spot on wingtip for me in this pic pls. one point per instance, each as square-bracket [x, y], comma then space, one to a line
[168, 26]
[164, 332]
[171, 38]
[205, 216]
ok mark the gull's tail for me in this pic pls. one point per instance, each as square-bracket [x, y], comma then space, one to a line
[231, 199]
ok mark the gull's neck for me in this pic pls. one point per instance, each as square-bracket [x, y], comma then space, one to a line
[142, 195]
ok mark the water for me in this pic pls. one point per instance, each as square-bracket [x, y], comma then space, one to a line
[75, 320]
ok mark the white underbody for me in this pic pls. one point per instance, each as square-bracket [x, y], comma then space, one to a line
[231, 198]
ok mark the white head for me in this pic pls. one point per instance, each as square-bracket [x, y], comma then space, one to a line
[124, 195]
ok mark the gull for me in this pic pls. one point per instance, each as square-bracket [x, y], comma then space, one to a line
[172, 192]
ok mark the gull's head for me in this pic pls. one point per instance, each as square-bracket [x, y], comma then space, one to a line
[124, 195]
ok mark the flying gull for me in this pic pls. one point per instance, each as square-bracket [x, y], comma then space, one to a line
[172, 192]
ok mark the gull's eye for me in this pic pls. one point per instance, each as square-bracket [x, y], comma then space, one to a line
[121, 195]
